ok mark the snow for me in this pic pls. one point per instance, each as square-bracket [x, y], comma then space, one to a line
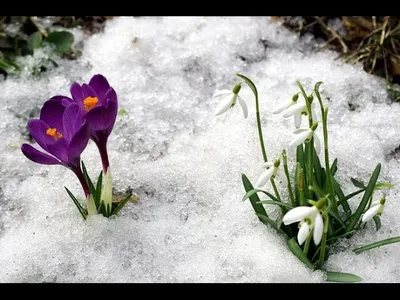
[185, 164]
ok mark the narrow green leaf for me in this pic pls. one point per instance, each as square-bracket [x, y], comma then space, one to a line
[377, 244]
[364, 200]
[249, 83]
[300, 159]
[381, 185]
[296, 250]
[342, 277]
[34, 41]
[340, 236]
[334, 167]
[349, 196]
[78, 205]
[266, 220]
[121, 204]
[357, 183]
[275, 203]
[63, 40]
[341, 196]
[252, 192]
[319, 171]
[377, 221]
[259, 209]
[98, 190]
[88, 180]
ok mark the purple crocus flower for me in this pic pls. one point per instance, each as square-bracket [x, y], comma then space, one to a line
[98, 105]
[63, 134]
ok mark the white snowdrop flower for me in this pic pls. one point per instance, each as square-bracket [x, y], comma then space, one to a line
[272, 171]
[376, 208]
[298, 110]
[310, 220]
[229, 98]
[286, 105]
[305, 135]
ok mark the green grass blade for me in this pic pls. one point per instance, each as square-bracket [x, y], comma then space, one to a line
[377, 244]
[78, 205]
[358, 183]
[255, 191]
[380, 185]
[121, 204]
[377, 221]
[275, 203]
[266, 220]
[364, 200]
[342, 277]
[319, 171]
[259, 209]
[98, 190]
[88, 180]
[296, 250]
[341, 196]
[349, 196]
[300, 159]
[340, 236]
[334, 167]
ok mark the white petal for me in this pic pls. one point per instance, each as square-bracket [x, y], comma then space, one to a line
[297, 119]
[297, 108]
[297, 214]
[318, 229]
[283, 106]
[282, 177]
[268, 164]
[265, 177]
[303, 233]
[221, 93]
[224, 105]
[370, 213]
[314, 115]
[297, 131]
[244, 106]
[317, 144]
[301, 137]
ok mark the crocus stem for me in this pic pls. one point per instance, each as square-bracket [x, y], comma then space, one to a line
[102, 146]
[81, 177]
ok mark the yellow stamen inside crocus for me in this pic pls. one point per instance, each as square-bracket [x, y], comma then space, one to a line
[54, 133]
[90, 102]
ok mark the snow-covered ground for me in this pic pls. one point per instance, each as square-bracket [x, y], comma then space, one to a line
[186, 164]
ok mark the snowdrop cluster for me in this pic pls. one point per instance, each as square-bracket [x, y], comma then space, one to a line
[314, 199]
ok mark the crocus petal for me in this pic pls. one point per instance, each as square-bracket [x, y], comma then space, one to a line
[297, 108]
[282, 107]
[112, 103]
[303, 233]
[38, 128]
[224, 105]
[297, 214]
[317, 144]
[69, 120]
[301, 137]
[370, 213]
[318, 229]
[244, 106]
[221, 93]
[77, 95]
[78, 142]
[88, 91]
[297, 119]
[59, 149]
[51, 113]
[37, 156]
[100, 85]
[265, 176]
[101, 117]
[64, 100]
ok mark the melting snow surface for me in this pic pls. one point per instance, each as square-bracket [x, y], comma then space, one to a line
[186, 164]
